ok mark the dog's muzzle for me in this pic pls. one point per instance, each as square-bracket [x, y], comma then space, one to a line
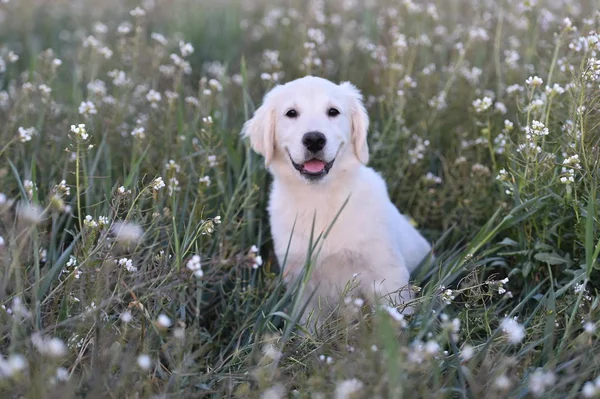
[313, 169]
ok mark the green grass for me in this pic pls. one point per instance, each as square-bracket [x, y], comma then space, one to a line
[516, 235]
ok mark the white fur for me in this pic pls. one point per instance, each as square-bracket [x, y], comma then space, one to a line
[370, 236]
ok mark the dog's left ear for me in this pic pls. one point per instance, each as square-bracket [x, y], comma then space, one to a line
[360, 122]
[261, 128]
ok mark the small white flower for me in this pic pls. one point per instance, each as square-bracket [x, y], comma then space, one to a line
[126, 317]
[482, 105]
[192, 101]
[271, 352]
[431, 348]
[157, 183]
[139, 132]
[163, 321]
[195, 265]
[80, 131]
[347, 388]
[258, 261]
[137, 12]
[14, 364]
[127, 264]
[72, 261]
[52, 347]
[589, 327]
[534, 81]
[185, 48]
[515, 332]
[62, 374]
[430, 177]
[89, 222]
[275, 392]
[467, 352]
[12, 57]
[153, 96]
[161, 39]
[396, 315]
[103, 221]
[144, 362]
[44, 89]
[173, 166]
[106, 52]
[589, 390]
[502, 382]
[215, 84]
[540, 380]
[212, 161]
[25, 135]
[87, 108]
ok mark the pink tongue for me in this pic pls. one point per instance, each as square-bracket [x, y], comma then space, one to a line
[314, 166]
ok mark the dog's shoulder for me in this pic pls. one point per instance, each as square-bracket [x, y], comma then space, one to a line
[372, 181]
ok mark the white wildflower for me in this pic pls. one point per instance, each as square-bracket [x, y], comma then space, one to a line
[52, 347]
[163, 321]
[137, 12]
[157, 183]
[347, 388]
[258, 261]
[144, 362]
[153, 98]
[515, 332]
[467, 352]
[589, 390]
[271, 352]
[396, 315]
[185, 48]
[126, 317]
[195, 265]
[540, 380]
[482, 105]
[80, 131]
[502, 382]
[139, 132]
[87, 108]
[127, 264]
[205, 180]
[430, 177]
[25, 135]
[159, 38]
[534, 81]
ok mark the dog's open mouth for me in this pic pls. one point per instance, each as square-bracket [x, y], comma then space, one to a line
[314, 168]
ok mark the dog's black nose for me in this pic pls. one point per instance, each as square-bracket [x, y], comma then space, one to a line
[314, 141]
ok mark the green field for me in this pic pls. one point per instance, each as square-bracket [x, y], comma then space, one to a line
[135, 252]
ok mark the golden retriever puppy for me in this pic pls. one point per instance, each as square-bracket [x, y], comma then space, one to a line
[313, 136]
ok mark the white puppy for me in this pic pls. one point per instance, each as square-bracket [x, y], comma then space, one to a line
[313, 136]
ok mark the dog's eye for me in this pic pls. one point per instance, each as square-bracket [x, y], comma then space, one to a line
[333, 112]
[292, 113]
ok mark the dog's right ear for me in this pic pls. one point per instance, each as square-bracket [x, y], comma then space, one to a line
[261, 128]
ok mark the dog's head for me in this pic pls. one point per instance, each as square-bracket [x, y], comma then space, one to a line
[310, 127]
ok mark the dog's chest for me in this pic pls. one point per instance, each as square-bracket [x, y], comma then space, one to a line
[359, 231]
